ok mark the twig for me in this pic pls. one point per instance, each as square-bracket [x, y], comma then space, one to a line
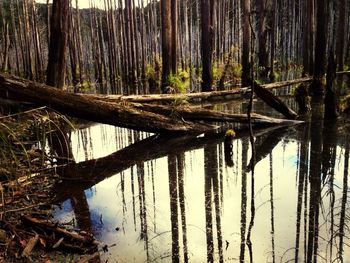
[2, 200]
[31, 244]
[24, 112]
[24, 208]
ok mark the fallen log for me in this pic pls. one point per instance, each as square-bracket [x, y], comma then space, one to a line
[46, 226]
[150, 118]
[273, 101]
[80, 106]
[196, 114]
[150, 98]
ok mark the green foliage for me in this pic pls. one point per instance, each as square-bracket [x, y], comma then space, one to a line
[218, 69]
[230, 133]
[180, 81]
[150, 71]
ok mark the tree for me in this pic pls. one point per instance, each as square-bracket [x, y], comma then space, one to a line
[321, 39]
[58, 42]
[341, 34]
[262, 36]
[320, 47]
[246, 66]
[207, 14]
[166, 42]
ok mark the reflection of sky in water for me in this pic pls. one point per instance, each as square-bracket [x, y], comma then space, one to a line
[120, 209]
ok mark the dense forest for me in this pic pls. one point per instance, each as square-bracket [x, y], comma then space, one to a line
[126, 46]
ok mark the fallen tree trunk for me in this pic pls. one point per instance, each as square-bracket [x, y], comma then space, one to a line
[196, 114]
[150, 118]
[75, 105]
[192, 96]
[273, 101]
[213, 95]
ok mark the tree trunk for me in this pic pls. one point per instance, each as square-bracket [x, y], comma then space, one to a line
[246, 66]
[341, 34]
[330, 100]
[262, 35]
[207, 13]
[58, 42]
[321, 39]
[166, 43]
[91, 109]
[173, 36]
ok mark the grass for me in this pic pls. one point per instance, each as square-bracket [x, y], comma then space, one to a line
[24, 138]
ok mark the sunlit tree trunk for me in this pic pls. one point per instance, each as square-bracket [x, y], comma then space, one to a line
[174, 36]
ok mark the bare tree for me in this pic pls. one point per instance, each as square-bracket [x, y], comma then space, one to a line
[58, 43]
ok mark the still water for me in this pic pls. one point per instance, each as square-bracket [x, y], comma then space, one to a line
[156, 199]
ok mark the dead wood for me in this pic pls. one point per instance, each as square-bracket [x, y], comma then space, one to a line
[80, 106]
[150, 118]
[213, 95]
[48, 227]
[202, 114]
[273, 101]
[30, 246]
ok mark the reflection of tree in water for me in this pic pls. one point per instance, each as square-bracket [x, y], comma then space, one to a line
[316, 190]
[243, 200]
[173, 191]
[272, 212]
[212, 191]
[342, 221]
[302, 170]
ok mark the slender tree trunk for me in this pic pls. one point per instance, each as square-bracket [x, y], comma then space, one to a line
[174, 29]
[262, 36]
[166, 43]
[246, 66]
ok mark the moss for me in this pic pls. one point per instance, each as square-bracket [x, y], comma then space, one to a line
[230, 133]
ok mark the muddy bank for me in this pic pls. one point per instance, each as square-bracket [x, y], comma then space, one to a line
[30, 143]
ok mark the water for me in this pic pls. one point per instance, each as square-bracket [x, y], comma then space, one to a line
[185, 199]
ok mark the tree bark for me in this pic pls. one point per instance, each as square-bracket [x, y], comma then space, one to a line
[341, 33]
[193, 97]
[246, 67]
[166, 42]
[79, 106]
[58, 42]
[274, 101]
[207, 13]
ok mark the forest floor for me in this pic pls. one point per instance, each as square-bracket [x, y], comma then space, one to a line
[27, 176]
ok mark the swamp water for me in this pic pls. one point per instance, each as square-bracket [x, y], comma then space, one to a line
[186, 199]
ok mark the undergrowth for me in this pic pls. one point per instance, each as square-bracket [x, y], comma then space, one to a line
[25, 139]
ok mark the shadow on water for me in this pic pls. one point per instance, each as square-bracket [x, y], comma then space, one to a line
[165, 199]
